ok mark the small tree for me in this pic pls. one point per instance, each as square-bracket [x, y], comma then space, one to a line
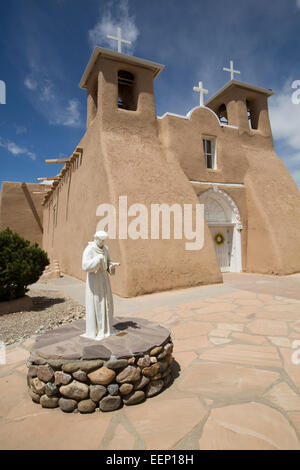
[21, 264]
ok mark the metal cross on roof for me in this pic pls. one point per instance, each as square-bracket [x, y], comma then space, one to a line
[119, 39]
[201, 91]
[231, 70]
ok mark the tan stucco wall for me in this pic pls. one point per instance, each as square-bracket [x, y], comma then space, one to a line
[269, 202]
[273, 201]
[122, 155]
[21, 210]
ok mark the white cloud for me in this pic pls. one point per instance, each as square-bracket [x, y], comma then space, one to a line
[50, 103]
[298, 3]
[46, 91]
[15, 149]
[285, 122]
[30, 83]
[108, 23]
[285, 117]
[70, 116]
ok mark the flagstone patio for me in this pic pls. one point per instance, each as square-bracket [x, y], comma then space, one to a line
[237, 383]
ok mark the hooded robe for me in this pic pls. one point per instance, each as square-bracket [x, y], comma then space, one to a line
[98, 295]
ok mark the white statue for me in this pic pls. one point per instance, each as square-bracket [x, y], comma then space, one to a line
[98, 296]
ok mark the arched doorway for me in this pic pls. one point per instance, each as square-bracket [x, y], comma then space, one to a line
[223, 218]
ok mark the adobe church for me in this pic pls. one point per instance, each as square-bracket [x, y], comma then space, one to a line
[220, 154]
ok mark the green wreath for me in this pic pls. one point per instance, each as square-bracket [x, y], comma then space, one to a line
[219, 238]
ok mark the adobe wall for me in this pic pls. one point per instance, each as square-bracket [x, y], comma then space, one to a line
[21, 210]
[182, 138]
[269, 201]
[122, 155]
[273, 201]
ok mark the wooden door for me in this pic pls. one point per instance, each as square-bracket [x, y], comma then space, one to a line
[222, 239]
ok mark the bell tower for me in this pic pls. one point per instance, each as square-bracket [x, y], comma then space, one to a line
[244, 106]
[119, 88]
[126, 160]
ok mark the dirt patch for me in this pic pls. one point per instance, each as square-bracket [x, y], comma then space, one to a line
[50, 310]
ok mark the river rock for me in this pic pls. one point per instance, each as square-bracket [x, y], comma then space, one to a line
[61, 378]
[49, 402]
[80, 375]
[134, 398]
[156, 350]
[141, 383]
[102, 376]
[116, 363]
[97, 392]
[32, 371]
[67, 405]
[75, 390]
[38, 386]
[86, 406]
[51, 389]
[152, 370]
[110, 403]
[113, 389]
[35, 359]
[168, 348]
[70, 367]
[162, 355]
[89, 366]
[45, 373]
[56, 364]
[125, 389]
[154, 388]
[129, 374]
[169, 359]
[144, 361]
[34, 396]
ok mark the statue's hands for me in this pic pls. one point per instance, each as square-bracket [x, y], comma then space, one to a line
[112, 268]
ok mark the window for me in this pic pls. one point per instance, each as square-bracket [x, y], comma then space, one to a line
[209, 148]
[126, 91]
[222, 114]
[252, 116]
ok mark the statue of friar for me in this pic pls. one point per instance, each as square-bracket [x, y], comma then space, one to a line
[98, 296]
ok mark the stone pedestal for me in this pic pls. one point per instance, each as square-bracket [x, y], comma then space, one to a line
[75, 373]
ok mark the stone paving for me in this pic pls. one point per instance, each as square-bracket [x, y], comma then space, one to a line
[237, 382]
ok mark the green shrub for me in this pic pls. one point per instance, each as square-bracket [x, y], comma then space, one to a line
[21, 264]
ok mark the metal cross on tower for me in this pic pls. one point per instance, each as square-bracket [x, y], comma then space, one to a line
[231, 70]
[201, 91]
[119, 39]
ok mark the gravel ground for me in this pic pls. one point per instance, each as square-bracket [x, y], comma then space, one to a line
[50, 310]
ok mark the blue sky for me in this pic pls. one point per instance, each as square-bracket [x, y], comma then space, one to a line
[46, 44]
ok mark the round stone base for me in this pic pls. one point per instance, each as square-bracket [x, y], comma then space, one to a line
[74, 373]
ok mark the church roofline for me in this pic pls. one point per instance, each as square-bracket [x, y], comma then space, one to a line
[113, 55]
[239, 84]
